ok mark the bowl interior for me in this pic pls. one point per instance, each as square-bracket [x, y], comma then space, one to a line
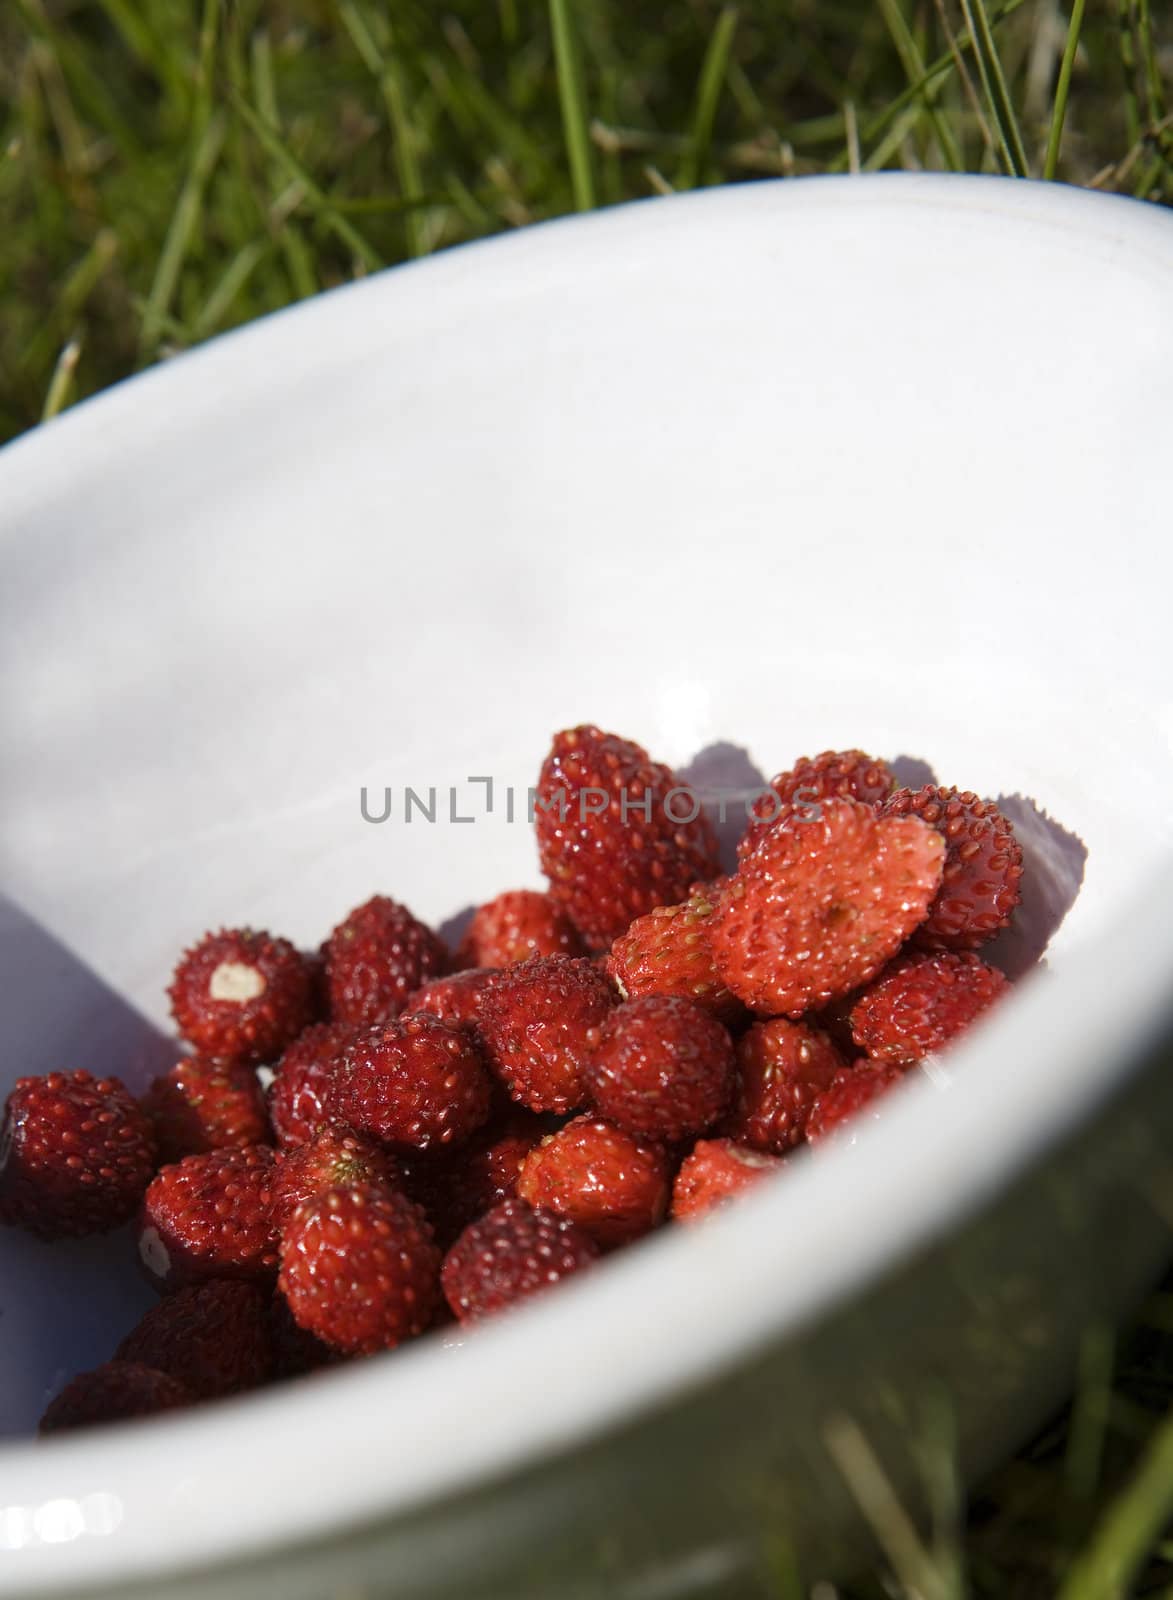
[743, 476]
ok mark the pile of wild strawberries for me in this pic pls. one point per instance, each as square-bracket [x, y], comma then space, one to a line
[446, 1134]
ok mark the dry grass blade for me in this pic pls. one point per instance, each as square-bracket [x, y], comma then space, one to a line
[860, 1468]
[61, 384]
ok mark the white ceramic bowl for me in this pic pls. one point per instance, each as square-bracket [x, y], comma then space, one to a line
[881, 462]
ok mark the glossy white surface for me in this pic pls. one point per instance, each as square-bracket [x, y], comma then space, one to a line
[878, 462]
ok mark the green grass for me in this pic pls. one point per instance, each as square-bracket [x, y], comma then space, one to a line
[169, 169]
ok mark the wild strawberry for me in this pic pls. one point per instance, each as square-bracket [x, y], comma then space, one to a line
[302, 1078]
[667, 952]
[834, 1019]
[457, 1186]
[921, 1003]
[835, 775]
[76, 1154]
[333, 1159]
[512, 1252]
[611, 1183]
[241, 996]
[516, 925]
[114, 1392]
[714, 1173]
[376, 959]
[214, 1337]
[538, 1021]
[296, 1352]
[453, 999]
[359, 1268]
[850, 1093]
[821, 904]
[315, 963]
[663, 1067]
[983, 865]
[607, 832]
[210, 1216]
[415, 1082]
[205, 1105]
[782, 1067]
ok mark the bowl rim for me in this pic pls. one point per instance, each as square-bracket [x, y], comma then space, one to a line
[89, 1510]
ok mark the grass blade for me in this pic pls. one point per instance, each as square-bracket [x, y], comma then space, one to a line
[708, 94]
[1126, 43]
[237, 273]
[279, 214]
[889, 1521]
[1134, 1520]
[572, 93]
[1089, 1414]
[994, 83]
[385, 70]
[1154, 84]
[913, 63]
[316, 198]
[1062, 89]
[148, 49]
[61, 382]
[939, 68]
[180, 233]
[851, 136]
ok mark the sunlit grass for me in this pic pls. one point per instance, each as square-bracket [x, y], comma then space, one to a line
[169, 169]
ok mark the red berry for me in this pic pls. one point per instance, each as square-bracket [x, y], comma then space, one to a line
[214, 1337]
[821, 904]
[296, 1352]
[334, 1158]
[315, 963]
[302, 1079]
[607, 835]
[539, 1023]
[663, 1067]
[76, 1154]
[983, 865]
[716, 1171]
[114, 1392]
[850, 1093]
[241, 996]
[210, 1216]
[835, 775]
[454, 999]
[611, 1183]
[834, 1019]
[455, 1187]
[921, 1003]
[516, 925]
[359, 1268]
[205, 1105]
[667, 952]
[376, 959]
[415, 1082]
[782, 1067]
[509, 1254]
